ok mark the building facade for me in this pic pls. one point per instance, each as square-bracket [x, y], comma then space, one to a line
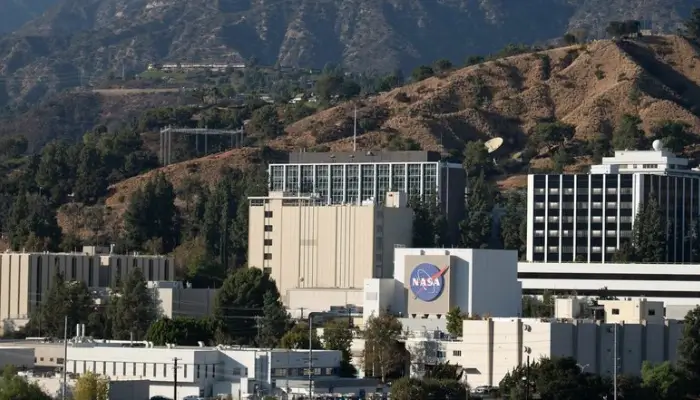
[304, 243]
[353, 177]
[428, 283]
[587, 217]
[26, 277]
[491, 348]
[231, 372]
[675, 285]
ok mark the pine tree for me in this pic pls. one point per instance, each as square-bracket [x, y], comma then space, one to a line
[475, 229]
[220, 209]
[63, 299]
[135, 308]
[274, 322]
[151, 214]
[512, 223]
[91, 180]
[31, 216]
[649, 236]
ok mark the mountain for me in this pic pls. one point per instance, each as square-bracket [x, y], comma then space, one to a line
[77, 41]
[594, 88]
[14, 13]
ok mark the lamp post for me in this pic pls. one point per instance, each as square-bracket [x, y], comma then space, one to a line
[311, 352]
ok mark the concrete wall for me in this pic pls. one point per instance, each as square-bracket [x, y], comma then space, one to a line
[21, 358]
[335, 246]
[26, 277]
[491, 348]
[481, 281]
[186, 302]
[321, 299]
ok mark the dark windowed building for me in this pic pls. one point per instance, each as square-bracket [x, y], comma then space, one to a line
[588, 217]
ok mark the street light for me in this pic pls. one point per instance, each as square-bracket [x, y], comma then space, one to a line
[582, 367]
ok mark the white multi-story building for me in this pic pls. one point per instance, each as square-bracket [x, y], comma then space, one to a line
[209, 371]
[587, 217]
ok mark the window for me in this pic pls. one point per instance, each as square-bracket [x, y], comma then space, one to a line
[59, 361]
[441, 354]
[166, 273]
[73, 269]
[457, 353]
[267, 270]
[268, 228]
[652, 312]
[268, 242]
[268, 214]
[267, 256]
[615, 311]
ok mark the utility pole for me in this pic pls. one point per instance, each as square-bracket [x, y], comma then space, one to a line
[65, 356]
[311, 360]
[175, 368]
[354, 132]
[615, 362]
[527, 379]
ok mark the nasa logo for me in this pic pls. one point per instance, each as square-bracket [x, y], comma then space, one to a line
[427, 281]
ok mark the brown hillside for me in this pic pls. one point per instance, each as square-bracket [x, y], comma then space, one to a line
[589, 86]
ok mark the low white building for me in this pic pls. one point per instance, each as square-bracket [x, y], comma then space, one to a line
[675, 285]
[491, 348]
[207, 371]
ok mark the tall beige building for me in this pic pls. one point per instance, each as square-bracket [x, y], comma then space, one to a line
[304, 244]
[26, 277]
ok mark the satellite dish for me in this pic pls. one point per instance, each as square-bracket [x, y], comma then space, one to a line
[493, 144]
[657, 145]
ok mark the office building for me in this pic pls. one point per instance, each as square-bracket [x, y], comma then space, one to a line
[587, 217]
[26, 277]
[353, 177]
[428, 283]
[228, 371]
[305, 243]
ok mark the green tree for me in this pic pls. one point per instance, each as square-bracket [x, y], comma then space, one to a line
[648, 234]
[63, 299]
[151, 214]
[689, 351]
[32, 224]
[91, 386]
[91, 180]
[265, 122]
[240, 301]
[220, 209]
[411, 388]
[455, 320]
[569, 39]
[475, 229]
[628, 135]
[476, 159]
[14, 387]
[135, 308]
[429, 223]
[274, 322]
[338, 335]
[561, 159]
[298, 338]
[674, 135]
[692, 25]
[421, 73]
[443, 65]
[550, 133]
[513, 223]
[382, 355]
[663, 380]
[182, 331]
[56, 173]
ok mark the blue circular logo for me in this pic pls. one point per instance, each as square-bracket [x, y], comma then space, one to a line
[427, 281]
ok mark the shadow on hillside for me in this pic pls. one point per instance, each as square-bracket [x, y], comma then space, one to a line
[688, 91]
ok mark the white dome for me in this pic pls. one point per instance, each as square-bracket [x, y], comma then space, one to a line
[657, 145]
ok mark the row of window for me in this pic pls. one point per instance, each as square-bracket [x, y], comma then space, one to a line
[579, 249]
[584, 204]
[583, 218]
[594, 233]
[582, 191]
[153, 369]
[282, 372]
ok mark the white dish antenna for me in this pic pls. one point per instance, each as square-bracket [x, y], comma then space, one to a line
[493, 144]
